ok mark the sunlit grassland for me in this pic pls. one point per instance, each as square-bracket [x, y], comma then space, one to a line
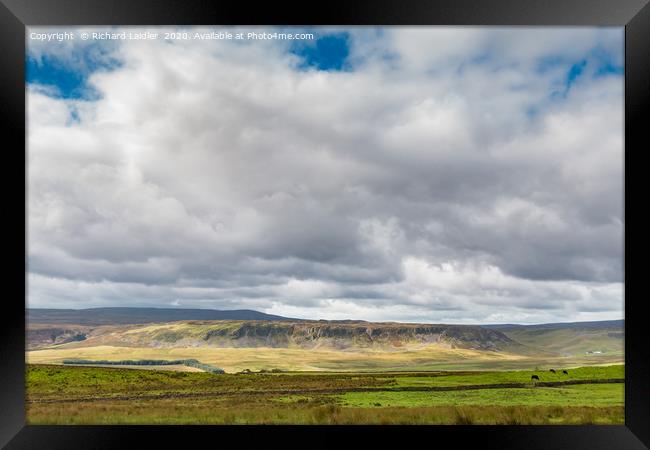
[578, 395]
[516, 376]
[74, 382]
[94, 395]
[294, 359]
[432, 357]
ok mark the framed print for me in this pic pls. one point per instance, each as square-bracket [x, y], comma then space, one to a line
[360, 220]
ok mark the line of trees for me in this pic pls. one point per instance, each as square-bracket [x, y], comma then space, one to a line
[148, 362]
[202, 366]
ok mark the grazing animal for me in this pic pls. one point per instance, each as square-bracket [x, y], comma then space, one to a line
[565, 372]
[552, 370]
[534, 377]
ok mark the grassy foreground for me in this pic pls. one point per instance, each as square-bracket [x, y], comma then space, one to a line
[111, 395]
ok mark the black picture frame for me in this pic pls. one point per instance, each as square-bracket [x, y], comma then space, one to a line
[15, 15]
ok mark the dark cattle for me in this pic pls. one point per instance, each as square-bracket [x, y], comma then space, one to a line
[534, 377]
[565, 372]
[552, 370]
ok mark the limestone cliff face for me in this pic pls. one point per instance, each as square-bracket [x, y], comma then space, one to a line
[51, 335]
[354, 334]
[341, 335]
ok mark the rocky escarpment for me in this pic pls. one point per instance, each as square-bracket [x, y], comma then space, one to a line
[47, 335]
[341, 335]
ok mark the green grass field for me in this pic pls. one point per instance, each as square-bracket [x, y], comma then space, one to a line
[515, 376]
[112, 395]
[580, 395]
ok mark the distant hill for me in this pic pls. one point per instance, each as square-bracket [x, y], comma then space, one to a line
[602, 324]
[279, 334]
[172, 327]
[128, 316]
[570, 339]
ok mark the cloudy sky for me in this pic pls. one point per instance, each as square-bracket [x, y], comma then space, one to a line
[422, 174]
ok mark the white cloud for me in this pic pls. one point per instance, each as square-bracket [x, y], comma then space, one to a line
[439, 180]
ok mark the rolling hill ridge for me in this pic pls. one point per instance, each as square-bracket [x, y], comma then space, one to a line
[124, 316]
[284, 334]
[240, 329]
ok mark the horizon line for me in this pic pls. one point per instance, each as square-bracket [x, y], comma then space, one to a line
[327, 320]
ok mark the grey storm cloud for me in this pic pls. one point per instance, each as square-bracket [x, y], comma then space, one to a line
[452, 174]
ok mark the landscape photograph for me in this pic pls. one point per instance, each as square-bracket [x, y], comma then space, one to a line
[325, 225]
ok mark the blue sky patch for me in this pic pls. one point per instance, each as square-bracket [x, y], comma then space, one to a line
[549, 63]
[48, 72]
[575, 71]
[598, 62]
[327, 52]
[609, 69]
[69, 78]
[605, 64]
